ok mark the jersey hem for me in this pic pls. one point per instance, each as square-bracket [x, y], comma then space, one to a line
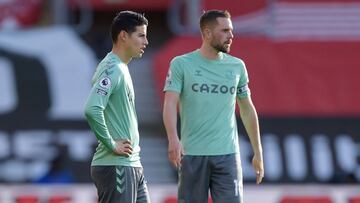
[117, 164]
[210, 154]
[172, 90]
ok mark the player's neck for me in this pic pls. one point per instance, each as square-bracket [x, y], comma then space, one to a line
[209, 52]
[122, 54]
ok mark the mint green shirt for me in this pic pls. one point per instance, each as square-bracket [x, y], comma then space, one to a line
[110, 112]
[208, 90]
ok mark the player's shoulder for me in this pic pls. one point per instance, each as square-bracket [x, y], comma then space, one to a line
[110, 61]
[184, 57]
[112, 64]
[110, 70]
[233, 59]
[236, 63]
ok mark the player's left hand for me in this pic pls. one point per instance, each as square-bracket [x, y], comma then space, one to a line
[258, 165]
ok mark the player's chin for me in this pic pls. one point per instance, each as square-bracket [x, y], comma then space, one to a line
[138, 55]
[226, 48]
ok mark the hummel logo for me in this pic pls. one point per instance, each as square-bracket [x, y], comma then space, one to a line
[198, 73]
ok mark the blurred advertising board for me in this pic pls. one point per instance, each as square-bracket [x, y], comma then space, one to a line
[167, 194]
[304, 150]
[44, 81]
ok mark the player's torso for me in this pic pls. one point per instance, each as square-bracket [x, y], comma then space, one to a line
[120, 112]
[207, 105]
[120, 115]
[210, 83]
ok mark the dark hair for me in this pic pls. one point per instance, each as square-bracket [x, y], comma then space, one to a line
[127, 21]
[210, 16]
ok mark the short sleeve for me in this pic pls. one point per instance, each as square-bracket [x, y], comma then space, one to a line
[174, 78]
[243, 90]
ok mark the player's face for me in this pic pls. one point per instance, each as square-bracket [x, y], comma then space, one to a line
[137, 41]
[222, 35]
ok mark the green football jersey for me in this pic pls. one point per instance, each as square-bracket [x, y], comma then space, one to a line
[208, 90]
[110, 111]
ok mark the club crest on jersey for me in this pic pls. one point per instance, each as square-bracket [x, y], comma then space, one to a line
[105, 83]
[230, 74]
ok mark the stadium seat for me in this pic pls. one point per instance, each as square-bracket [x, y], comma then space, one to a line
[23, 13]
[59, 199]
[27, 199]
[306, 200]
[354, 200]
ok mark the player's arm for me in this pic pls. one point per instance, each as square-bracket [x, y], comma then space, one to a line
[250, 120]
[170, 121]
[94, 113]
[173, 89]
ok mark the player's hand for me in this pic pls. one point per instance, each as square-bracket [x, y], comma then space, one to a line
[258, 165]
[175, 152]
[123, 148]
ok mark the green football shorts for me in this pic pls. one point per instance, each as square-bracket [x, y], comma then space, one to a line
[116, 184]
[220, 174]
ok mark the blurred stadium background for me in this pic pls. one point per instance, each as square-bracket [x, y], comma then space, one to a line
[304, 66]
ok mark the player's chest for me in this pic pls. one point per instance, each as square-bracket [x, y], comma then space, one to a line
[126, 89]
[219, 80]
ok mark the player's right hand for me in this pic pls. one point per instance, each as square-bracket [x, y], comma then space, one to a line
[123, 148]
[258, 165]
[175, 152]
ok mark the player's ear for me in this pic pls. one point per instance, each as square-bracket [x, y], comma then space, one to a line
[207, 33]
[123, 35]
